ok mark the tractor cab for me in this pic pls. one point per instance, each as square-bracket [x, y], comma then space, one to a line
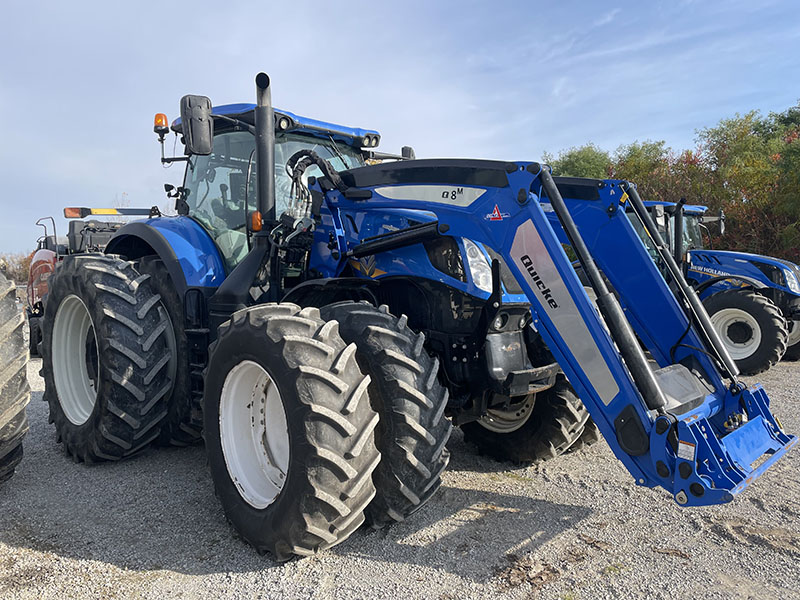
[219, 188]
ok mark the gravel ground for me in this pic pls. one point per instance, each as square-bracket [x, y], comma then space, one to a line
[574, 528]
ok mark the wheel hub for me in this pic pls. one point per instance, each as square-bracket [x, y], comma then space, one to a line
[510, 418]
[739, 330]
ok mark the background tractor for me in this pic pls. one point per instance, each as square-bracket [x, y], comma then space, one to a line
[753, 300]
[323, 323]
[83, 236]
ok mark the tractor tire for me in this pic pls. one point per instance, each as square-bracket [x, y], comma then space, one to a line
[793, 349]
[289, 430]
[406, 393]
[14, 390]
[589, 437]
[104, 358]
[751, 327]
[540, 429]
[34, 336]
[184, 423]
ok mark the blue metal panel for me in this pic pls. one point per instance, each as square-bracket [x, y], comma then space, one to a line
[196, 252]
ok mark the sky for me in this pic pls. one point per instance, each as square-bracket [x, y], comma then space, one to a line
[80, 81]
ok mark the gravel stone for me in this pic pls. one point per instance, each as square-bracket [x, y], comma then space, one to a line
[574, 528]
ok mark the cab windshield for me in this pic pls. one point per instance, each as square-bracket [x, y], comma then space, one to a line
[222, 186]
[692, 234]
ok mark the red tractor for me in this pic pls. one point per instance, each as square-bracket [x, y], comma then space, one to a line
[84, 236]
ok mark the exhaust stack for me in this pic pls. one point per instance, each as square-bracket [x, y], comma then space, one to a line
[265, 149]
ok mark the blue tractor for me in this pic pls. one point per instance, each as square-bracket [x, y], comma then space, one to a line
[753, 300]
[323, 323]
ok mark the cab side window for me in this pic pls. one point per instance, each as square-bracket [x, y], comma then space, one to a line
[218, 189]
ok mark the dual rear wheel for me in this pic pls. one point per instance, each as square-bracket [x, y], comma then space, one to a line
[291, 408]
[316, 421]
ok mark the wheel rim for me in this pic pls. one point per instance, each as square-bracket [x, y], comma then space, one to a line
[509, 419]
[254, 433]
[74, 355]
[794, 334]
[739, 331]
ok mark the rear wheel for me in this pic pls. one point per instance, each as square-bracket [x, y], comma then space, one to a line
[793, 343]
[105, 358]
[290, 434]
[407, 395]
[535, 429]
[751, 327]
[34, 335]
[14, 391]
[184, 423]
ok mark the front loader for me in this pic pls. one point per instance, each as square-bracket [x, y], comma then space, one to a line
[325, 345]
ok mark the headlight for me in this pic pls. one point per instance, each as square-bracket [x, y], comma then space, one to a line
[791, 281]
[478, 266]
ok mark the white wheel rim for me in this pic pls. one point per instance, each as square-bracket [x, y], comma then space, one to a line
[728, 318]
[794, 334]
[508, 419]
[75, 389]
[254, 433]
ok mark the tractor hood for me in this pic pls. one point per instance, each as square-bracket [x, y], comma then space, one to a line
[767, 270]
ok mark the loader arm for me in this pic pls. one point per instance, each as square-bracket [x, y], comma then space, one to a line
[678, 423]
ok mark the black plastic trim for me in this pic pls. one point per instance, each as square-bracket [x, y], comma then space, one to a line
[487, 173]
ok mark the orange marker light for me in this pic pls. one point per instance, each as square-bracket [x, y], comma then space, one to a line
[161, 126]
[256, 222]
[72, 212]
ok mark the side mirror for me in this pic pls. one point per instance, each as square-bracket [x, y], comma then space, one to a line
[659, 216]
[721, 222]
[197, 124]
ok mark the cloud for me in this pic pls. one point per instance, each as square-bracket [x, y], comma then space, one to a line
[607, 18]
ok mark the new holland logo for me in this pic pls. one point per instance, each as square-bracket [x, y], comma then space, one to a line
[367, 266]
[543, 289]
[496, 215]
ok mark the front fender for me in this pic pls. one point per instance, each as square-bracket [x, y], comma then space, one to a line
[189, 254]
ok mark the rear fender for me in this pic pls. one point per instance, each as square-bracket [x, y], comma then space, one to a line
[42, 266]
[188, 252]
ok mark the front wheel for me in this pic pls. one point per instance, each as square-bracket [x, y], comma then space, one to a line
[751, 327]
[410, 400]
[793, 348]
[290, 434]
[537, 428]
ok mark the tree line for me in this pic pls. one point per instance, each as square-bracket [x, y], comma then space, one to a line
[748, 166]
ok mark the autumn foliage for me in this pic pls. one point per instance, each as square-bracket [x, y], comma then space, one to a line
[748, 166]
